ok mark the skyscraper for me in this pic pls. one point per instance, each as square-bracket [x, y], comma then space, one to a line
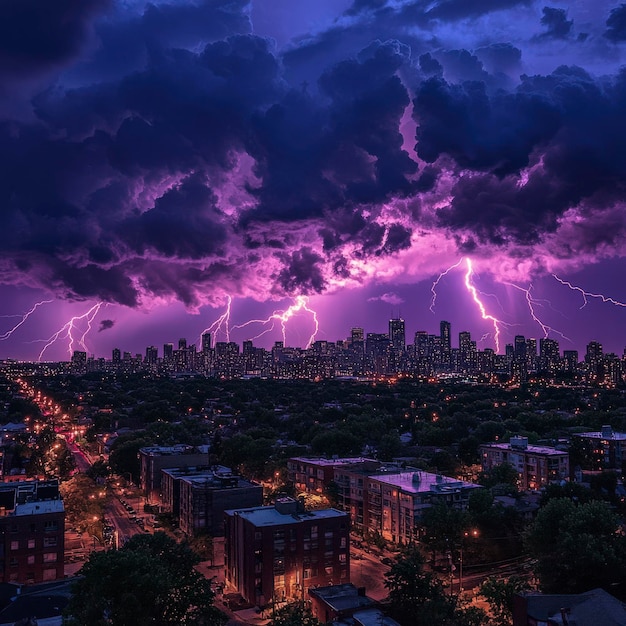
[206, 342]
[446, 344]
[397, 334]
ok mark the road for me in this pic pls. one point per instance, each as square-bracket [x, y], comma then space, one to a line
[82, 462]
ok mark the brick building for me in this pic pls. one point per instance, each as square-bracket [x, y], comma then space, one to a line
[32, 527]
[602, 450]
[198, 497]
[312, 475]
[537, 466]
[397, 500]
[276, 553]
[153, 459]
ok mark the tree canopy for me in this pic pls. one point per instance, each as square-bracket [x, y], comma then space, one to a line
[150, 580]
[577, 547]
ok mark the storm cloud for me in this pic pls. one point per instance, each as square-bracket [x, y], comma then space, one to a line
[174, 153]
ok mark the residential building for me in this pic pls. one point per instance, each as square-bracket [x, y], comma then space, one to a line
[153, 459]
[591, 608]
[334, 602]
[276, 553]
[603, 450]
[537, 466]
[198, 497]
[32, 527]
[397, 500]
[313, 474]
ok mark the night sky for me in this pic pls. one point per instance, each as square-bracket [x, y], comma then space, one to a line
[159, 158]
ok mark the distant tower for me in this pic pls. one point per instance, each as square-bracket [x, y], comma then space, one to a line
[357, 336]
[446, 342]
[206, 342]
[397, 334]
[168, 352]
[182, 344]
[117, 355]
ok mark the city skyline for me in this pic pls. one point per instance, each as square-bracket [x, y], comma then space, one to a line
[164, 161]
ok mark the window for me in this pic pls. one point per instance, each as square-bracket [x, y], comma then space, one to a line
[49, 542]
[49, 557]
[13, 562]
[51, 526]
[30, 559]
[15, 545]
[50, 574]
[31, 544]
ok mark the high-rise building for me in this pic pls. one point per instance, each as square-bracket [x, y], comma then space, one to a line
[446, 342]
[206, 342]
[117, 355]
[182, 344]
[397, 335]
[151, 355]
[168, 352]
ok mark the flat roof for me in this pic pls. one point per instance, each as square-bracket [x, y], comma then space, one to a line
[422, 482]
[332, 462]
[269, 516]
[545, 450]
[598, 435]
[38, 508]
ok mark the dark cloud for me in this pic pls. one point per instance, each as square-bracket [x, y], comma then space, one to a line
[616, 24]
[302, 273]
[185, 157]
[556, 23]
[36, 35]
[481, 131]
[500, 58]
[106, 325]
[452, 10]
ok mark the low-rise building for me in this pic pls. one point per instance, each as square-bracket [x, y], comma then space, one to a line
[397, 500]
[276, 553]
[198, 497]
[314, 474]
[603, 450]
[32, 527]
[537, 466]
[335, 602]
[153, 459]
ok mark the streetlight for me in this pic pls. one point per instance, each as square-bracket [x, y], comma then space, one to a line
[467, 533]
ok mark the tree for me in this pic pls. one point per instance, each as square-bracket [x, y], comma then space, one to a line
[150, 580]
[577, 547]
[416, 597]
[443, 526]
[294, 615]
[504, 476]
[499, 594]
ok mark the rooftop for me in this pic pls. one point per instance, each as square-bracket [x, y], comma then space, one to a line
[342, 597]
[600, 435]
[544, 450]
[269, 516]
[40, 507]
[167, 450]
[332, 462]
[423, 482]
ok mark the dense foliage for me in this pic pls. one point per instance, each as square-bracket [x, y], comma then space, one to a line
[150, 580]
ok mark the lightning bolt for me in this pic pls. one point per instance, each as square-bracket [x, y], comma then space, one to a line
[483, 312]
[68, 329]
[532, 302]
[587, 294]
[222, 321]
[24, 317]
[433, 287]
[301, 304]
